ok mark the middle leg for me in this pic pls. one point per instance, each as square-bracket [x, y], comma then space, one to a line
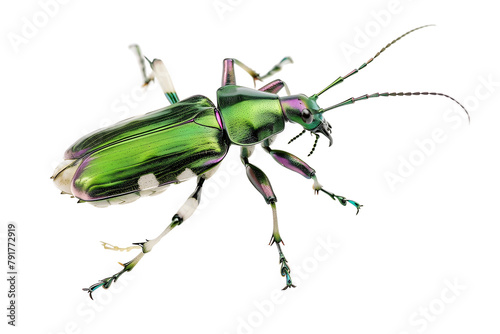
[182, 214]
[295, 164]
[159, 71]
[228, 76]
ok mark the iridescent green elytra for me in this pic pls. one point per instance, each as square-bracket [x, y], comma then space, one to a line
[143, 155]
[171, 145]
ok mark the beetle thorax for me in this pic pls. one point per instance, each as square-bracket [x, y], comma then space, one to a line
[250, 116]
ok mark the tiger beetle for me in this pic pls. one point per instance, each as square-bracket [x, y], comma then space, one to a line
[144, 155]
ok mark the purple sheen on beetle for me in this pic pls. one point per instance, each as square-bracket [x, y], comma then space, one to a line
[78, 193]
[260, 182]
[219, 119]
[214, 161]
[70, 154]
[287, 162]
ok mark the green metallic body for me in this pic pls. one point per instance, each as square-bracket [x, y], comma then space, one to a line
[141, 156]
[250, 116]
[169, 145]
[172, 144]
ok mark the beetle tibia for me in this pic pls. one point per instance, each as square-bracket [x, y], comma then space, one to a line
[342, 200]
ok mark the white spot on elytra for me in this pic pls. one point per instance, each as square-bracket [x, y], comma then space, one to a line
[148, 181]
[186, 174]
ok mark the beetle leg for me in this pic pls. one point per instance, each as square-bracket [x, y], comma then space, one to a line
[295, 164]
[276, 68]
[275, 86]
[186, 210]
[116, 248]
[262, 184]
[140, 58]
[228, 77]
[161, 73]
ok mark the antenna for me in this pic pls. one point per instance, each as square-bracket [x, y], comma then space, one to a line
[341, 79]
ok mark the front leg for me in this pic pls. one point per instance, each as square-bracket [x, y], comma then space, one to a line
[295, 164]
[262, 184]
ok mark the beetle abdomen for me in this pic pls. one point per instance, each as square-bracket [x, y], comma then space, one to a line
[143, 155]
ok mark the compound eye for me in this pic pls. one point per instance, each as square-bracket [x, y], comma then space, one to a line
[306, 116]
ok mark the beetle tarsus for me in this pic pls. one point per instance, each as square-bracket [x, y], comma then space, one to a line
[147, 78]
[106, 282]
[342, 200]
[285, 269]
[120, 249]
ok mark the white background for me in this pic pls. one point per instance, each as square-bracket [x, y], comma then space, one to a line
[394, 259]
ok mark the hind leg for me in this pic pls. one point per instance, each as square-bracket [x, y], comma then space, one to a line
[159, 72]
[186, 210]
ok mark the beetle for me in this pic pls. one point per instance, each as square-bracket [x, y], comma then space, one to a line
[144, 155]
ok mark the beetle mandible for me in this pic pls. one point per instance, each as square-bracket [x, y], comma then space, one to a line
[143, 155]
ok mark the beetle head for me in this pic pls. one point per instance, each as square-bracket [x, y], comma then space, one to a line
[305, 111]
